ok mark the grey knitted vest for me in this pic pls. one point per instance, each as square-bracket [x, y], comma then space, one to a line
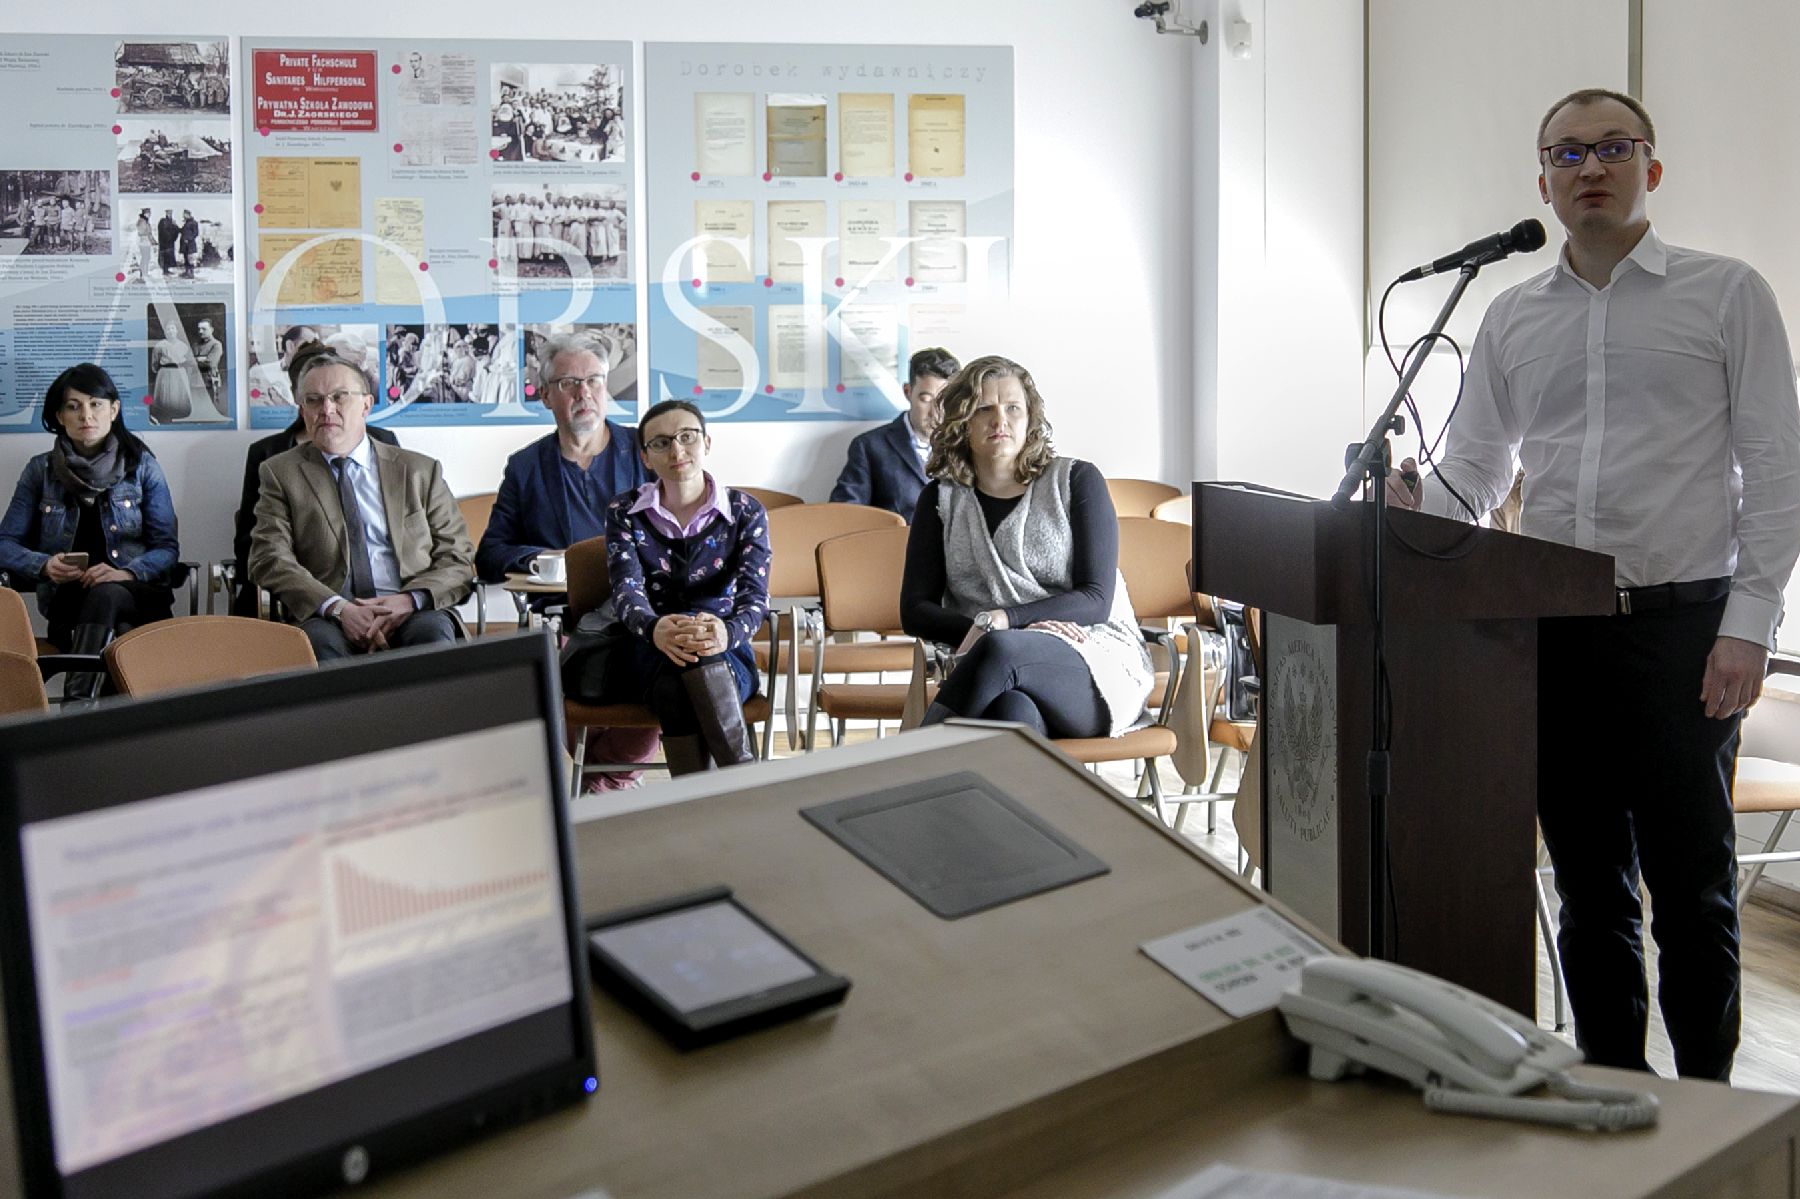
[1028, 558]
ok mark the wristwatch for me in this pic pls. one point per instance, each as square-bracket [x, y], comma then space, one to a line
[984, 621]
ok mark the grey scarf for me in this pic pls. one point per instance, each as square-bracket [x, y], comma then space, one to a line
[87, 478]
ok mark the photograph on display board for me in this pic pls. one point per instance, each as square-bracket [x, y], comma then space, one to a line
[166, 156]
[271, 350]
[438, 78]
[173, 76]
[558, 112]
[183, 240]
[187, 362]
[452, 364]
[56, 212]
[616, 345]
[545, 229]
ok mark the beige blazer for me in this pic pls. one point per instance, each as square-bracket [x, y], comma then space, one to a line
[300, 550]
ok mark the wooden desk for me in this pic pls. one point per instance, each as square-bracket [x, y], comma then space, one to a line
[1028, 1051]
[1030, 1047]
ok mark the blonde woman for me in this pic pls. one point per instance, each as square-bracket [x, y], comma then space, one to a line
[1014, 559]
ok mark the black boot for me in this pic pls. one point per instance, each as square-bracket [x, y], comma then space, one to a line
[81, 688]
[685, 755]
[712, 689]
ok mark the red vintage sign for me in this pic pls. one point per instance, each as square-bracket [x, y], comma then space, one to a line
[314, 90]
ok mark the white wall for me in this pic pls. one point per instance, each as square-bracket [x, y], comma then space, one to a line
[1456, 89]
[1280, 372]
[1102, 311]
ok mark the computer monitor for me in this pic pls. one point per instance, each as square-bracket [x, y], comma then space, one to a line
[276, 936]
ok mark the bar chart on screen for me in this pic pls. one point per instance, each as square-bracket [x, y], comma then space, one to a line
[461, 867]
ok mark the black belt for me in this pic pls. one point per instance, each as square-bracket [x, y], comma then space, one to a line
[1635, 600]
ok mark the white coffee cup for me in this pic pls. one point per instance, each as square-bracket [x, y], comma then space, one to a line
[549, 567]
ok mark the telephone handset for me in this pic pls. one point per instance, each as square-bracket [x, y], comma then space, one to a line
[1468, 1054]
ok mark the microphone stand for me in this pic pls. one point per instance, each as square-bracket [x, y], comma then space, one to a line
[1369, 464]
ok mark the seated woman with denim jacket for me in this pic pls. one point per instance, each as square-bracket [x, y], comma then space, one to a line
[91, 522]
[688, 560]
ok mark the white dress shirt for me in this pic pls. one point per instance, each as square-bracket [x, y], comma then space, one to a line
[1655, 419]
[365, 480]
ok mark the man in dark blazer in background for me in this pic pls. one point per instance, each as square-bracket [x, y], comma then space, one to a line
[885, 467]
[555, 491]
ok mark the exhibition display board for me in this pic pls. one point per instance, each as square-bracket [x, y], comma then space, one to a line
[436, 208]
[818, 213]
[117, 225]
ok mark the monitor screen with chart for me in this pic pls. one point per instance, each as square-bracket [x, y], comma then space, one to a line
[291, 931]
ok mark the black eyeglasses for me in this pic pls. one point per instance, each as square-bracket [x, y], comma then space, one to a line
[685, 438]
[1612, 150]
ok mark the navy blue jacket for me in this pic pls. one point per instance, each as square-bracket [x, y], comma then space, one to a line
[532, 511]
[882, 470]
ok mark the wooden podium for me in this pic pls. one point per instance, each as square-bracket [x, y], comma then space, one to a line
[1462, 607]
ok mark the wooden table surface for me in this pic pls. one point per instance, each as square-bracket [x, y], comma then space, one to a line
[1029, 1051]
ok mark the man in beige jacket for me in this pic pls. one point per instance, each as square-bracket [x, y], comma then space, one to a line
[393, 573]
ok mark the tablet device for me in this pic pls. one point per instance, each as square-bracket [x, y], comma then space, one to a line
[702, 967]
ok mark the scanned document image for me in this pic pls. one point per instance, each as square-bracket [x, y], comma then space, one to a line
[723, 144]
[796, 134]
[866, 135]
[935, 136]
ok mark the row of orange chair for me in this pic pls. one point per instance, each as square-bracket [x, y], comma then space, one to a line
[185, 651]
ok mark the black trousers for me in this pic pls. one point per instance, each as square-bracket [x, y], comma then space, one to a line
[639, 673]
[428, 626]
[1635, 780]
[1030, 678]
[120, 606]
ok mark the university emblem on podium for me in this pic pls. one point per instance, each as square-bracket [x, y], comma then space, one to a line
[1303, 750]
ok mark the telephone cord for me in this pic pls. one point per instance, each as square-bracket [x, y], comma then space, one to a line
[1608, 1109]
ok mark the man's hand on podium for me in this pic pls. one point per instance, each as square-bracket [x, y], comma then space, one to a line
[1405, 489]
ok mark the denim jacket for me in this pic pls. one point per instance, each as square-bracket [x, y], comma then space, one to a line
[137, 520]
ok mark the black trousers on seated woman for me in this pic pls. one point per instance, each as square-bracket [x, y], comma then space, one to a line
[107, 609]
[700, 706]
[1030, 678]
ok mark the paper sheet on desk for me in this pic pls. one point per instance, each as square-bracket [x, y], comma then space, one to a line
[1241, 963]
[1229, 1182]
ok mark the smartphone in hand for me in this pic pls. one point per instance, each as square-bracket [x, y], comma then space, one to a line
[78, 561]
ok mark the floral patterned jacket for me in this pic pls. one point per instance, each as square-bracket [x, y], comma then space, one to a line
[722, 569]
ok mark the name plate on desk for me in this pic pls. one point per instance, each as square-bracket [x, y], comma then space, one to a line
[1241, 963]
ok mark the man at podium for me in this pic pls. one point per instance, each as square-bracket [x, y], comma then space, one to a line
[1647, 391]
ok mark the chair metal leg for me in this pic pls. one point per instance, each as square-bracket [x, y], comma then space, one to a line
[1156, 792]
[1755, 869]
[1212, 789]
[1557, 991]
[838, 728]
[581, 742]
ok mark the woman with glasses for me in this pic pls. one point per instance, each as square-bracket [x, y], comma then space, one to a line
[689, 564]
[1014, 559]
[91, 523]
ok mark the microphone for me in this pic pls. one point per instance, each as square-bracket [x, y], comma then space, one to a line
[1522, 237]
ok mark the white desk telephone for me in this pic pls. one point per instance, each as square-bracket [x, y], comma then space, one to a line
[1468, 1054]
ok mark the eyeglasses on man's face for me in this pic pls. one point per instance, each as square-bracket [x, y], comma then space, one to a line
[687, 439]
[313, 401]
[573, 385]
[1612, 151]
